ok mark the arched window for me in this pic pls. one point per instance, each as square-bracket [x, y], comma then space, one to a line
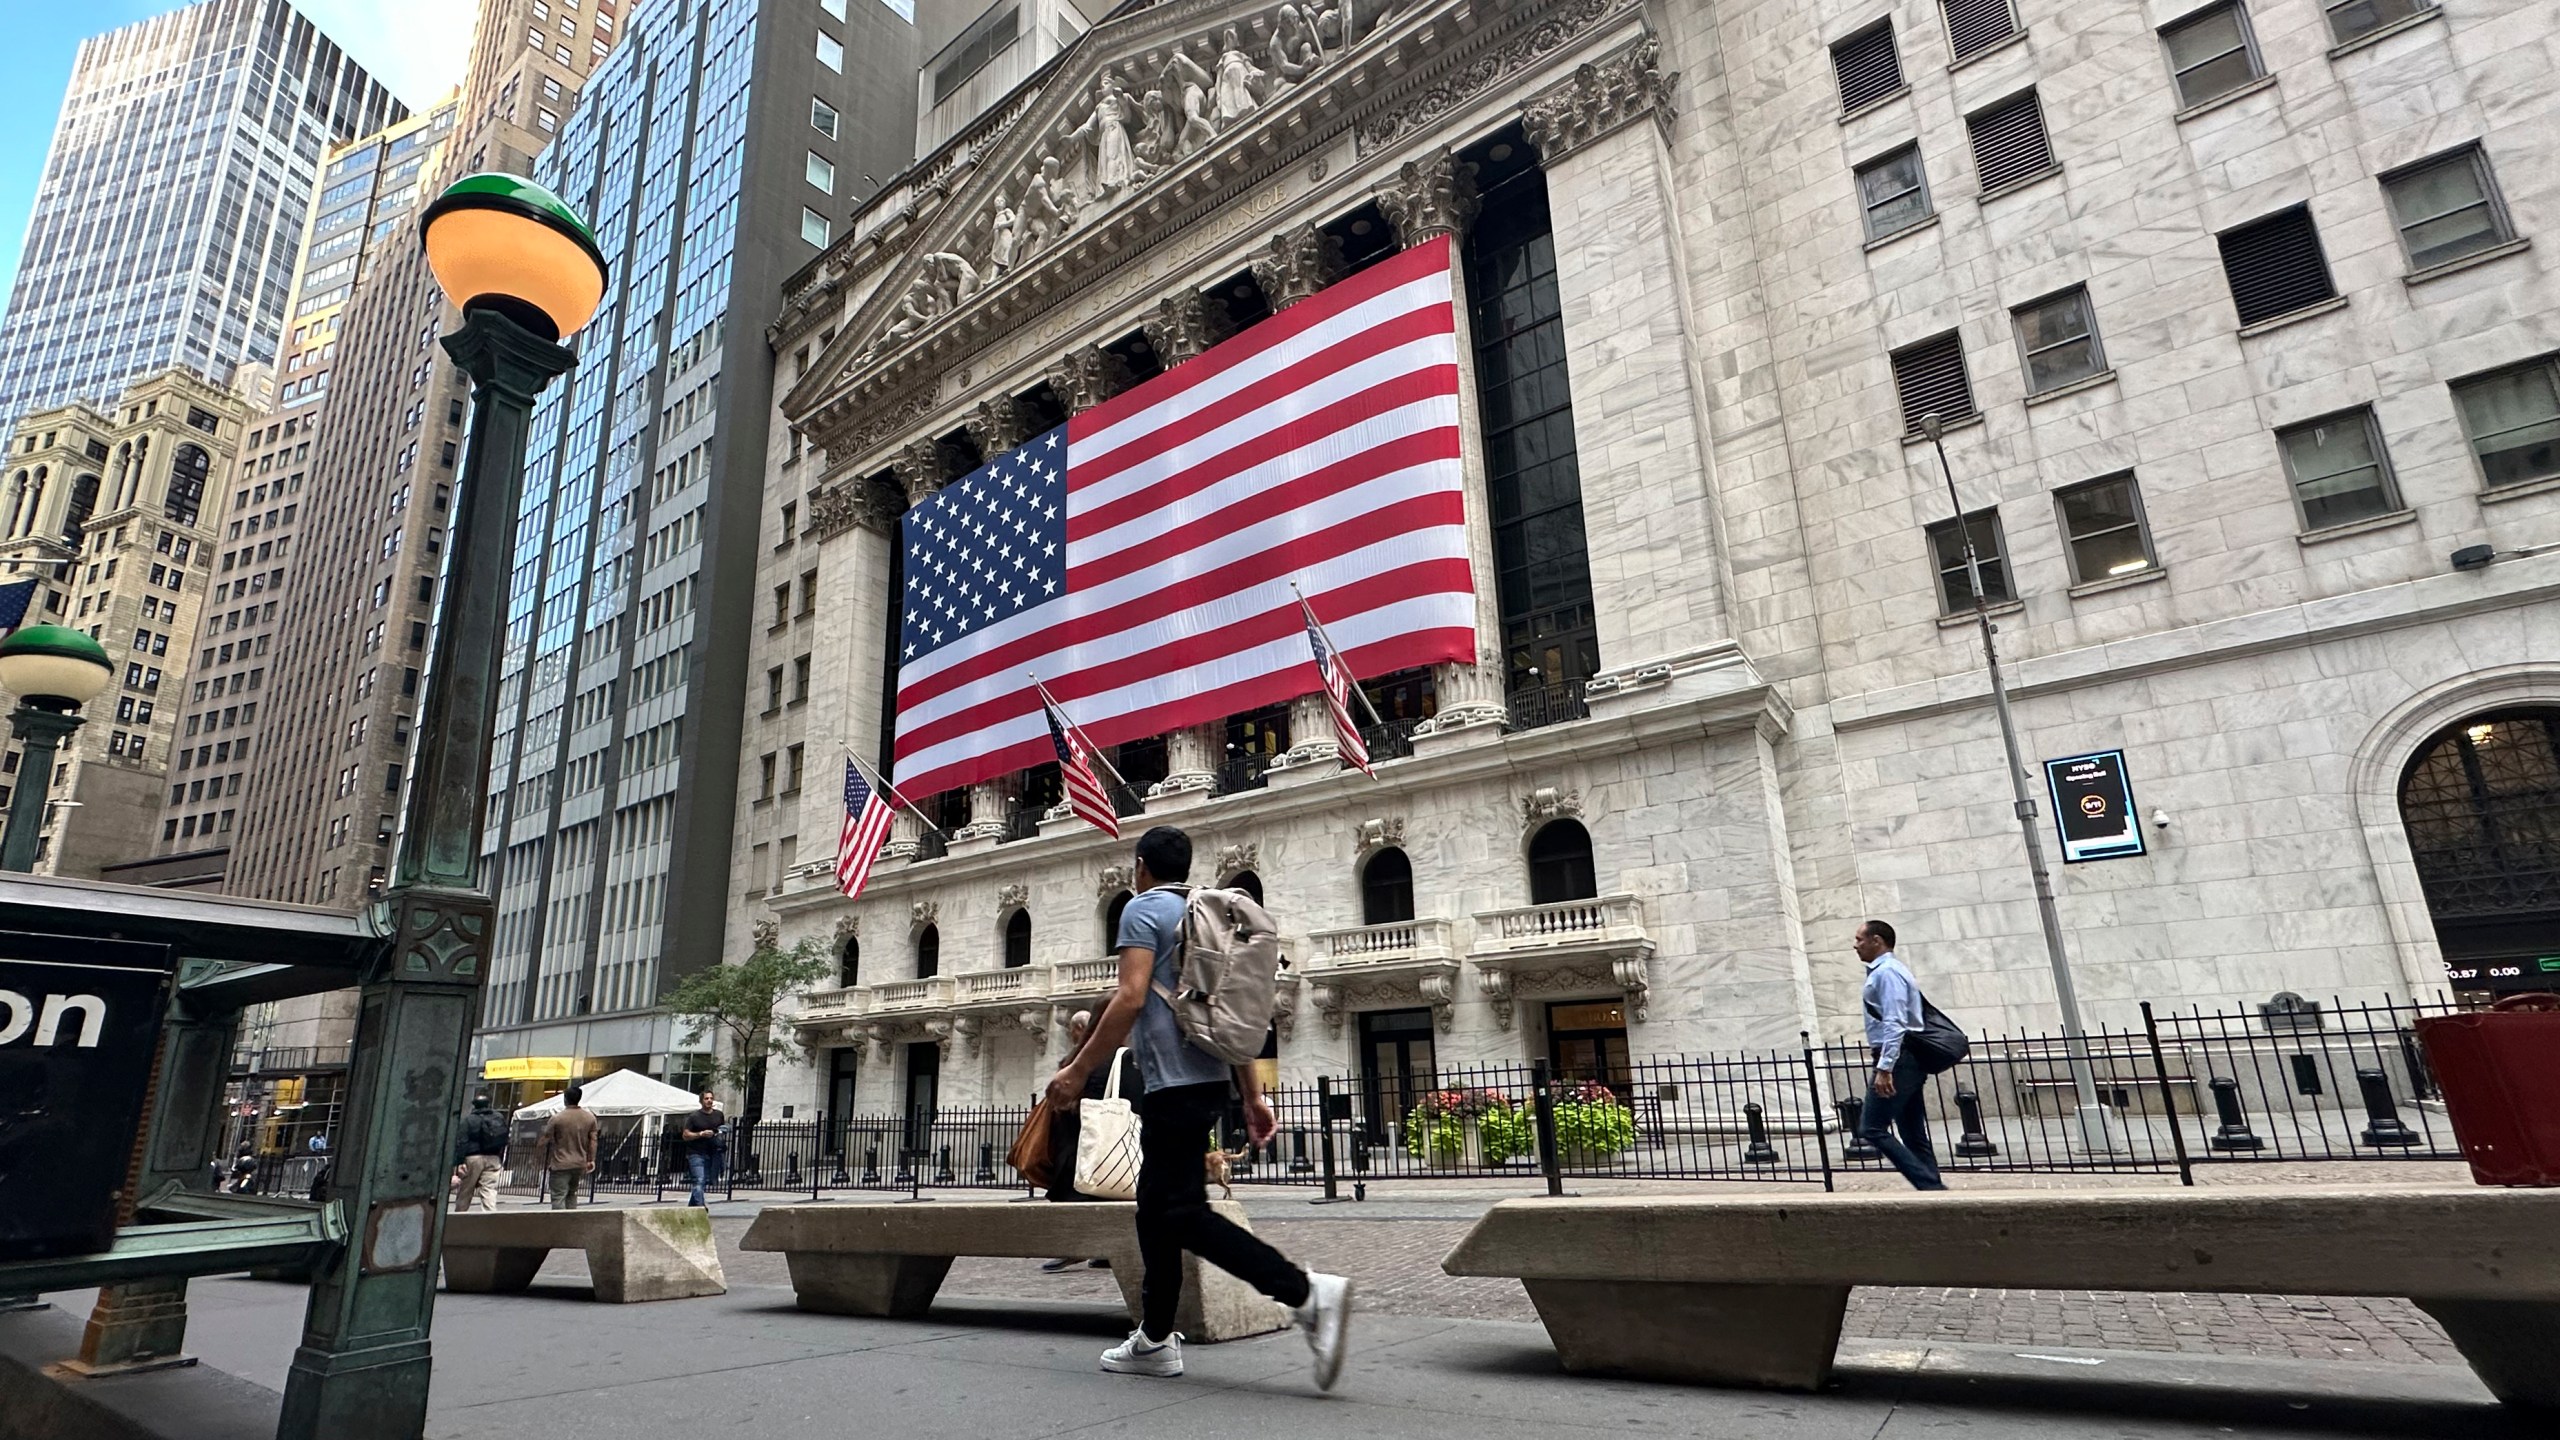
[2481, 802]
[1111, 923]
[1017, 940]
[849, 964]
[1386, 888]
[84, 503]
[929, 952]
[1249, 883]
[187, 470]
[1560, 864]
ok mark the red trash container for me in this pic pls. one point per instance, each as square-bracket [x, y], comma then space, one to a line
[2499, 1071]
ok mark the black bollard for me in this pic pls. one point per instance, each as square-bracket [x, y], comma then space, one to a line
[942, 1168]
[1972, 1144]
[871, 1165]
[1853, 1146]
[2233, 1133]
[2383, 1126]
[791, 1170]
[1299, 1164]
[986, 1163]
[906, 1167]
[1759, 1151]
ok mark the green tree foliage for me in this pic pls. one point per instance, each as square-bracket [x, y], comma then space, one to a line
[738, 1005]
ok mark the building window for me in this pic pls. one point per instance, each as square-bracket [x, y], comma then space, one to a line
[1868, 67]
[2275, 266]
[1946, 548]
[1930, 378]
[814, 227]
[2009, 144]
[2103, 528]
[2339, 471]
[1017, 940]
[1974, 26]
[1894, 193]
[1386, 888]
[2212, 53]
[2355, 19]
[1560, 867]
[2058, 340]
[822, 117]
[2513, 417]
[2447, 207]
[929, 953]
[821, 172]
[830, 52]
[544, 120]
[800, 679]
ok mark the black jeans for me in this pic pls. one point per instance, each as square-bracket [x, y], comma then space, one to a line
[1905, 1111]
[1174, 1213]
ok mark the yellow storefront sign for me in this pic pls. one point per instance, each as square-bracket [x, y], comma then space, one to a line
[530, 1067]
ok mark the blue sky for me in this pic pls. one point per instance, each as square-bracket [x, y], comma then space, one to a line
[416, 47]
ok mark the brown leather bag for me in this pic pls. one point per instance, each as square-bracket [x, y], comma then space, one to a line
[1030, 1156]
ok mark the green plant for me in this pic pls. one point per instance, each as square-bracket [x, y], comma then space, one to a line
[1594, 1126]
[1435, 1129]
[739, 1005]
[1508, 1133]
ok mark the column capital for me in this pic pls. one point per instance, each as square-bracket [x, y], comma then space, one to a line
[1602, 97]
[1432, 195]
[1299, 262]
[1086, 376]
[850, 504]
[919, 469]
[1184, 325]
[997, 425]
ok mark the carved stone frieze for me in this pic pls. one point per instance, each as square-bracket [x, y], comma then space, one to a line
[1086, 376]
[1602, 97]
[1431, 196]
[1012, 897]
[1549, 803]
[1484, 73]
[884, 423]
[1376, 835]
[1296, 264]
[848, 927]
[923, 913]
[1235, 859]
[766, 935]
[1111, 881]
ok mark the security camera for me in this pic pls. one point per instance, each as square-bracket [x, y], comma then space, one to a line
[2161, 819]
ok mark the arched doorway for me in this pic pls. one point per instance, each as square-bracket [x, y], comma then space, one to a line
[2481, 804]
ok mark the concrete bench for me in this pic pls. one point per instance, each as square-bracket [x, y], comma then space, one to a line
[1751, 1290]
[657, 1253]
[891, 1259]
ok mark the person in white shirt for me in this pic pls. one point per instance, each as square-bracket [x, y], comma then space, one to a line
[1897, 1089]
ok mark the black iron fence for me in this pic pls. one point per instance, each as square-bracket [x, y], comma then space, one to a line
[2335, 1083]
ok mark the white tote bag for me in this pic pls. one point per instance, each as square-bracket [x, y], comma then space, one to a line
[1107, 1142]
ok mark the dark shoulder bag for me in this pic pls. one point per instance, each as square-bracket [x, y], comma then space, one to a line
[1939, 1042]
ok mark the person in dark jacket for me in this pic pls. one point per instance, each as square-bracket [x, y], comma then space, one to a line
[1066, 1125]
[479, 1153]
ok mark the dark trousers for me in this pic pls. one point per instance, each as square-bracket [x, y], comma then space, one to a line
[1174, 1214]
[1905, 1110]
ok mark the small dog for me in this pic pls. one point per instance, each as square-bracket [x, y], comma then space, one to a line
[1222, 1170]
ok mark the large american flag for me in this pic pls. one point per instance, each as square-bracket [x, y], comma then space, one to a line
[1140, 557]
[866, 828]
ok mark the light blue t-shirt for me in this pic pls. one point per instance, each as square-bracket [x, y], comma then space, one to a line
[1153, 919]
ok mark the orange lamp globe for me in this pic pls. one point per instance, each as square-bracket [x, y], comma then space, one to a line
[501, 242]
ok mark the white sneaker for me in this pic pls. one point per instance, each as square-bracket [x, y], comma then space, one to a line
[1139, 1355]
[1326, 1317]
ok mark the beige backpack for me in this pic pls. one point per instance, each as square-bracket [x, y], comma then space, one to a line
[1227, 971]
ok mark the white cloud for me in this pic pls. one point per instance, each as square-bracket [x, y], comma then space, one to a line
[416, 47]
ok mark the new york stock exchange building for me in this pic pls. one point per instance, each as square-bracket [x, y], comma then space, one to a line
[2253, 414]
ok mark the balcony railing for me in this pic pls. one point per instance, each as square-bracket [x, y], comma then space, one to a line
[847, 1003]
[1243, 772]
[996, 987]
[932, 845]
[1128, 800]
[1371, 945]
[1539, 706]
[1390, 740]
[1605, 918]
[911, 995]
[1085, 977]
[1021, 822]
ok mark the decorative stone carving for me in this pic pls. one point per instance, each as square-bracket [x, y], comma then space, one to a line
[1602, 97]
[850, 503]
[970, 1030]
[848, 927]
[919, 468]
[1549, 803]
[1237, 86]
[1484, 73]
[1234, 859]
[1185, 324]
[1032, 1021]
[1298, 263]
[940, 1027]
[1106, 127]
[1631, 977]
[1376, 835]
[1327, 999]
[922, 913]
[1012, 897]
[1295, 52]
[1004, 237]
[1432, 196]
[1047, 204]
[1284, 1000]
[998, 425]
[767, 935]
[1087, 376]
[1440, 992]
[1111, 881]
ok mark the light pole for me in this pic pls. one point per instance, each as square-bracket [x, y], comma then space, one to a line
[53, 671]
[2084, 1081]
[526, 274]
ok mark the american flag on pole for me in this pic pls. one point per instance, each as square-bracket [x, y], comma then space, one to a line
[866, 828]
[1337, 694]
[1085, 794]
[1139, 557]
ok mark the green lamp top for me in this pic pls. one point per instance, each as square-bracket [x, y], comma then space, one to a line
[494, 190]
[502, 242]
[60, 640]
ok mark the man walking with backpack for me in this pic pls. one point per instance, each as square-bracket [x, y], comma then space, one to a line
[1896, 1016]
[479, 1153]
[1186, 1090]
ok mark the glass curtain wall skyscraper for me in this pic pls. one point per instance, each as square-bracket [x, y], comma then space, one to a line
[714, 151]
[170, 214]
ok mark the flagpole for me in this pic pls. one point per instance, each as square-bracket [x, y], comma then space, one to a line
[885, 788]
[1090, 748]
[1336, 652]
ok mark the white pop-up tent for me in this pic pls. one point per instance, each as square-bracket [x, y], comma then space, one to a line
[620, 1093]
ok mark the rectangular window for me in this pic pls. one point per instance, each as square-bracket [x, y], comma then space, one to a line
[795, 769]
[830, 52]
[1930, 377]
[2103, 528]
[2447, 207]
[1946, 548]
[2009, 143]
[773, 689]
[1868, 67]
[1974, 26]
[2355, 19]
[2058, 340]
[2212, 53]
[544, 120]
[2339, 471]
[800, 679]
[815, 227]
[2275, 266]
[2513, 417]
[821, 172]
[1894, 193]
[822, 117]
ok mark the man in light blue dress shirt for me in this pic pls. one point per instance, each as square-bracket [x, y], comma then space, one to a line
[1896, 1091]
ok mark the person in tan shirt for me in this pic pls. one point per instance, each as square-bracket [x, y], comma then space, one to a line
[567, 1148]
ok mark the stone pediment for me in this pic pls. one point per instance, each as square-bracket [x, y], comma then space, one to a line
[1157, 117]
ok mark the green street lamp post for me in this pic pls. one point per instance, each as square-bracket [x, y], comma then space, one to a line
[527, 275]
[53, 671]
